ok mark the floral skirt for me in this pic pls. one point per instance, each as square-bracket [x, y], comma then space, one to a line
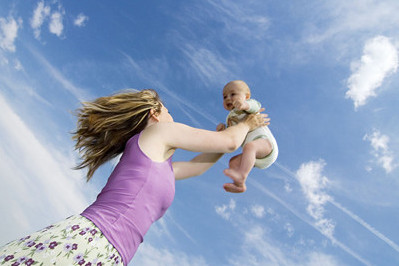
[74, 241]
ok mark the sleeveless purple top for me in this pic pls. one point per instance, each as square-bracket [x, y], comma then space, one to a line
[137, 193]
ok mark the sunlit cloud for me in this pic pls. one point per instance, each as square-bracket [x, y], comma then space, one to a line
[56, 25]
[80, 20]
[225, 211]
[8, 33]
[40, 14]
[379, 60]
[381, 151]
[313, 184]
[258, 210]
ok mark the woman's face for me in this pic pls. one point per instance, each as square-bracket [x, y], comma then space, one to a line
[165, 116]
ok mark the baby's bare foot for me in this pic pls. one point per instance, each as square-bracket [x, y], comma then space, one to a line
[238, 185]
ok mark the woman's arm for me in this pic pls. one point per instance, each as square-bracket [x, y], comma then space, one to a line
[160, 140]
[197, 166]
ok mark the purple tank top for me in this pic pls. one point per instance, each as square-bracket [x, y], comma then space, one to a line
[137, 193]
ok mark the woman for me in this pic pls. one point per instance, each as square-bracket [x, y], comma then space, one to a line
[141, 187]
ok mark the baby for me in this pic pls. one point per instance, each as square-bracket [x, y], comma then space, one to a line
[259, 148]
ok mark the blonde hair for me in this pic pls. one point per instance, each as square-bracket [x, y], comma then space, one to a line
[240, 84]
[107, 123]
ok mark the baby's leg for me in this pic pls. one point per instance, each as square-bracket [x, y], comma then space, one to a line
[258, 148]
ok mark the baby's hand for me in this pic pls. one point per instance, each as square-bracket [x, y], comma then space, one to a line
[221, 127]
[241, 105]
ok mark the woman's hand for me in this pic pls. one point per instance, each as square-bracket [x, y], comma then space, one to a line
[257, 120]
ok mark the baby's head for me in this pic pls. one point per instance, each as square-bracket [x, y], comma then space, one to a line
[233, 91]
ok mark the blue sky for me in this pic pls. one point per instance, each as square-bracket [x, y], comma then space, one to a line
[326, 72]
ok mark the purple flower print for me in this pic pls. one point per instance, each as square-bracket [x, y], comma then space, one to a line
[74, 246]
[40, 247]
[9, 257]
[24, 238]
[78, 258]
[93, 232]
[15, 264]
[30, 243]
[111, 257]
[88, 264]
[22, 259]
[83, 232]
[81, 262]
[67, 247]
[100, 264]
[29, 262]
[53, 245]
[90, 239]
[75, 227]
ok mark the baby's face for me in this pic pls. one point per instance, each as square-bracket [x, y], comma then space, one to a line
[232, 93]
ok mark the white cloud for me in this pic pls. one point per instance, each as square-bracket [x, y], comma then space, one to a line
[81, 20]
[148, 255]
[381, 151]
[313, 184]
[38, 185]
[258, 211]
[9, 32]
[379, 60]
[41, 12]
[260, 250]
[56, 26]
[225, 211]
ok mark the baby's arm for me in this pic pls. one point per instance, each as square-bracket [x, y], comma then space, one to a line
[254, 106]
[250, 106]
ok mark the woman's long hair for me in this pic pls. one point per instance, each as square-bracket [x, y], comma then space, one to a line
[107, 123]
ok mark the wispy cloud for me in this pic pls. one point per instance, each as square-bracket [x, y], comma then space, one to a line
[38, 183]
[353, 216]
[260, 249]
[207, 64]
[153, 77]
[347, 20]
[153, 256]
[306, 220]
[77, 92]
[80, 20]
[8, 33]
[379, 60]
[242, 18]
[366, 225]
[40, 14]
[381, 151]
[313, 184]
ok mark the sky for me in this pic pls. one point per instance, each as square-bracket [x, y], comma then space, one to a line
[325, 71]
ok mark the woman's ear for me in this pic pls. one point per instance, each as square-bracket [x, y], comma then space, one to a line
[154, 115]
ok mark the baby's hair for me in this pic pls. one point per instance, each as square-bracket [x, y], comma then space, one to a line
[107, 123]
[239, 83]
